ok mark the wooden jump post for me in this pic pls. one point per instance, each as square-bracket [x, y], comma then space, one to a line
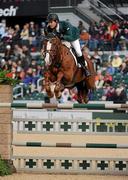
[6, 130]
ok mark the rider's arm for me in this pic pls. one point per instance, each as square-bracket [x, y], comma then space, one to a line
[71, 33]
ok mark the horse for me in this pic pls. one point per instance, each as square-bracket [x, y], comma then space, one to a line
[62, 71]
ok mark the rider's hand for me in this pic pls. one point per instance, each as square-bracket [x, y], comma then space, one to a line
[61, 37]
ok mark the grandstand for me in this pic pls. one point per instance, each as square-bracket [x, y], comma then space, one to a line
[92, 14]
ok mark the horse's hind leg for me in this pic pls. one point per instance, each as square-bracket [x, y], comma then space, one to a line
[83, 97]
[82, 92]
[79, 87]
[85, 93]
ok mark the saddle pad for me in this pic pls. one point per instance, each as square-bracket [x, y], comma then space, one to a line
[68, 45]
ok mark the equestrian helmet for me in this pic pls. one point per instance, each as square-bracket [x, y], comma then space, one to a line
[52, 17]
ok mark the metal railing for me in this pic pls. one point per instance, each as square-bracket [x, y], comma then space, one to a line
[18, 91]
[98, 4]
[68, 3]
[101, 12]
[40, 84]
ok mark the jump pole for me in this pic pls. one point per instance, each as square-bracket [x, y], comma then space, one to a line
[70, 145]
[64, 106]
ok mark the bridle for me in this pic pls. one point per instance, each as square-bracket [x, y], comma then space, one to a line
[50, 51]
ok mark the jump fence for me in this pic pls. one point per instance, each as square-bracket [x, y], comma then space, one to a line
[54, 140]
[58, 138]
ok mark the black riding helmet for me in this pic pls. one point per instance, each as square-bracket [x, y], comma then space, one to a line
[52, 17]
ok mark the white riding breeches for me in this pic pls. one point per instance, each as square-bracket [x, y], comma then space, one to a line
[76, 45]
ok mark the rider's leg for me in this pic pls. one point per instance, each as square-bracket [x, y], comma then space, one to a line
[81, 60]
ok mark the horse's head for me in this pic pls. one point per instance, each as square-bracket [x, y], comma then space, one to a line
[51, 49]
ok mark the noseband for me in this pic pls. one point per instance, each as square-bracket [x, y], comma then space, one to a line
[51, 50]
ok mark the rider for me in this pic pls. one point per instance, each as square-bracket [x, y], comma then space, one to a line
[69, 33]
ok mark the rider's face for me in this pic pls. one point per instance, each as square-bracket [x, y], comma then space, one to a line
[52, 24]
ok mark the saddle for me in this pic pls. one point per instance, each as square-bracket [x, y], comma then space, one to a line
[71, 49]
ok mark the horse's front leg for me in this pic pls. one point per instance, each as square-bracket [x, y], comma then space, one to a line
[47, 85]
[58, 88]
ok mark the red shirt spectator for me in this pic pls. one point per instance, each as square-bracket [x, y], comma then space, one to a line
[108, 78]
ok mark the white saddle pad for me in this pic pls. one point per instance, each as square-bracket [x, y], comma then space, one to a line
[68, 45]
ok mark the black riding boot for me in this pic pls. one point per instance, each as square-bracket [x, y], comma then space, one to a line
[81, 61]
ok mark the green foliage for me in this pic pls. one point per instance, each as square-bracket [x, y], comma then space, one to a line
[4, 168]
[6, 78]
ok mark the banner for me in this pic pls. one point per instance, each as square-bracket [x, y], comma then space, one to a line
[24, 8]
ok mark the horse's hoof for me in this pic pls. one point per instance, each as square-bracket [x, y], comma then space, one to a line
[86, 100]
[58, 94]
[50, 94]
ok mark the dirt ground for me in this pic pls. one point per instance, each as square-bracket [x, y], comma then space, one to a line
[61, 177]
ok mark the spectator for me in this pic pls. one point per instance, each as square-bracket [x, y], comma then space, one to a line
[28, 77]
[97, 59]
[108, 79]
[73, 95]
[116, 40]
[26, 57]
[116, 61]
[108, 92]
[120, 96]
[24, 35]
[41, 35]
[16, 35]
[124, 66]
[81, 26]
[94, 34]
[85, 51]
[32, 34]
[2, 30]
[102, 30]
[17, 52]
[99, 80]
[65, 96]
[8, 52]
[84, 38]
[110, 69]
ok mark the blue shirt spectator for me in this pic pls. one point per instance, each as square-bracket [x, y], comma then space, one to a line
[110, 69]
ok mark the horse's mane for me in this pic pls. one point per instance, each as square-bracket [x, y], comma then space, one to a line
[51, 35]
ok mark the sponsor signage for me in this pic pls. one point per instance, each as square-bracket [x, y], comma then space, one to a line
[30, 8]
[11, 11]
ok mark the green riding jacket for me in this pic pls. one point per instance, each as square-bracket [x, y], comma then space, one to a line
[70, 33]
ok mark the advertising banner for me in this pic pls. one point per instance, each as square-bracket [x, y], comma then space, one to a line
[24, 8]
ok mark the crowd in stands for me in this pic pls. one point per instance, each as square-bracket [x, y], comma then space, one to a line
[109, 36]
[20, 49]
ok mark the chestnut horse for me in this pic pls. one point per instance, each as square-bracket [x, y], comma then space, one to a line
[62, 71]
